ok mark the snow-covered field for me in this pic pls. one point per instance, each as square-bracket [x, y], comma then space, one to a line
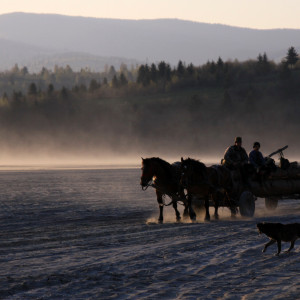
[93, 234]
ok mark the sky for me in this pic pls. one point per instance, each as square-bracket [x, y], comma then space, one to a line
[258, 14]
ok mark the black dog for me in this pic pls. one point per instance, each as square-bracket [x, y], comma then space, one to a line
[278, 232]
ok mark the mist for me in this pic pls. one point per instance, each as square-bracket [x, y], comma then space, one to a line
[115, 132]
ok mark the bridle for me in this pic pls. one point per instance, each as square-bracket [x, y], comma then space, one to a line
[150, 181]
[152, 184]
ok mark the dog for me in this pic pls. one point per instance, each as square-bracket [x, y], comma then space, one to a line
[278, 232]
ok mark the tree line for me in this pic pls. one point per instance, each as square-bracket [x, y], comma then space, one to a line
[144, 78]
[183, 107]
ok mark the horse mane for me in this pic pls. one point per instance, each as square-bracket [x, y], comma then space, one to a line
[167, 166]
[198, 166]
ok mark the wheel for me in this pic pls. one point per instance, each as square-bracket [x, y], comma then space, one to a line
[247, 204]
[271, 203]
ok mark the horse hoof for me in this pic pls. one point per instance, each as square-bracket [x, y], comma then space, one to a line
[207, 219]
[216, 217]
[193, 216]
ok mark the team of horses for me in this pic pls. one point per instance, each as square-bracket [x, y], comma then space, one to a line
[207, 183]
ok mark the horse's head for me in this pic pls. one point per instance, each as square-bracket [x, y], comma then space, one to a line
[147, 172]
[185, 171]
[192, 171]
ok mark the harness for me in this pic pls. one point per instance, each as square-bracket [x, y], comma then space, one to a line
[175, 177]
[174, 197]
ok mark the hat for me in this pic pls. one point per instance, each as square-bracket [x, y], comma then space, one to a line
[256, 144]
[238, 139]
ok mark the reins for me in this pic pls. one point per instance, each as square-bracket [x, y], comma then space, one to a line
[178, 200]
[144, 188]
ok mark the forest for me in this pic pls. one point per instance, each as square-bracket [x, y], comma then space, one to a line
[151, 109]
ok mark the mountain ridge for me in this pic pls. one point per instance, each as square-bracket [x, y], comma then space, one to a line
[148, 41]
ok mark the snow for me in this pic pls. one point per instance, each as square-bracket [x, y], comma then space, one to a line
[93, 234]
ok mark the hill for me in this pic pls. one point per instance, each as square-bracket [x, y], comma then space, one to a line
[41, 37]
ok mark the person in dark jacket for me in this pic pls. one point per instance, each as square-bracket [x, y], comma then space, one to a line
[235, 156]
[256, 158]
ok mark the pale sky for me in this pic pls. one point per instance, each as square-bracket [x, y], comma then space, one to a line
[260, 14]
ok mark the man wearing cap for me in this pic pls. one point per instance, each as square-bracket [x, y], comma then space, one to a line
[235, 156]
[255, 157]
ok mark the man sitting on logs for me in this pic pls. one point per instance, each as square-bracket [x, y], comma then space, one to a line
[256, 158]
[236, 158]
[263, 166]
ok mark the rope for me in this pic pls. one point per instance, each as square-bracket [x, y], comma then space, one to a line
[178, 200]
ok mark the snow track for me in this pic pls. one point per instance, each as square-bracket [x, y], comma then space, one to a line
[93, 234]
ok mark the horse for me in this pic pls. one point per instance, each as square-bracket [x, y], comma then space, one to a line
[206, 182]
[166, 181]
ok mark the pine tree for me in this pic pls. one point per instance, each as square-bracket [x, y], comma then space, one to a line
[292, 57]
[32, 89]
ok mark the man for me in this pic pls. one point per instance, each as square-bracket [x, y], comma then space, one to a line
[235, 156]
[256, 158]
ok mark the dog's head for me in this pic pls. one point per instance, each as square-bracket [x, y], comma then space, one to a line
[260, 227]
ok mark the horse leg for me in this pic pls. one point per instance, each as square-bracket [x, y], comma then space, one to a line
[191, 211]
[186, 205]
[161, 206]
[186, 210]
[216, 204]
[207, 215]
[233, 211]
[176, 211]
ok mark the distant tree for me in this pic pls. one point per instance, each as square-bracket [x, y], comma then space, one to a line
[263, 65]
[50, 89]
[105, 81]
[64, 92]
[123, 80]
[180, 69]
[15, 69]
[153, 73]
[24, 71]
[112, 72]
[220, 63]
[291, 57]
[123, 68]
[94, 85]
[213, 67]
[164, 71]
[68, 70]
[115, 82]
[45, 74]
[190, 69]
[143, 75]
[17, 98]
[32, 89]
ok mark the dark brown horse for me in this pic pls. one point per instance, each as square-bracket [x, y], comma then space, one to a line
[166, 181]
[206, 182]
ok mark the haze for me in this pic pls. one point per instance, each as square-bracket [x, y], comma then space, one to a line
[126, 129]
